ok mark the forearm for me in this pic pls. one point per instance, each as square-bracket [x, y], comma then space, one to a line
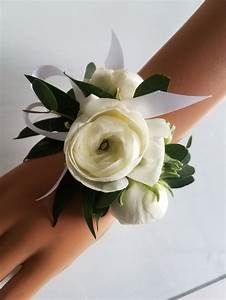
[195, 60]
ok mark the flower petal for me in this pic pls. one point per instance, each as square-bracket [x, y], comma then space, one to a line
[140, 205]
[158, 128]
[106, 187]
[149, 169]
[127, 82]
[93, 105]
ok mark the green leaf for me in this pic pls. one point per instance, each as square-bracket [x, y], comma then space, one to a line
[189, 142]
[187, 159]
[176, 151]
[45, 147]
[153, 83]
[71, 94]
[98, 213]
[66, 102]
[169, 174]
[66, 191]
[90, 69]
[179, 182]
[186, 171]
[45, 95]
[87, 208]
[52, 124]
[105, 199]
[88, 89]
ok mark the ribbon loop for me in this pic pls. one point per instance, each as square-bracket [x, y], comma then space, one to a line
[59, 136]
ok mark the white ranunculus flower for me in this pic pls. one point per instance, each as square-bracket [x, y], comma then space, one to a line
[105, 143]
[140, 204]
[116, 80]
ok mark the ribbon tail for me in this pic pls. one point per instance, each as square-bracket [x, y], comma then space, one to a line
[54, 187]
[115, 59]
[159, 103]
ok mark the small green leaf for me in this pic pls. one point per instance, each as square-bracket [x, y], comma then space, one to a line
[88, 89]
[45, 147]
[189, 142]
[66, 102]
[186, 159]
[176, 151]
[169, 175]
[45, 95]
[186, 171]
[121, 196]
[71, 94]
[87, 208]
[99, 213]
[52, 124]
[154, 189]
[153, 83]
[179, 182]
[67, 189]
[90, 69]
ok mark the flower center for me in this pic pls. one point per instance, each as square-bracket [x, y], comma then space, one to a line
[104, 146]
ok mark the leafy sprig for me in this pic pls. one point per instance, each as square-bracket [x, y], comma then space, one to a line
[176, 171]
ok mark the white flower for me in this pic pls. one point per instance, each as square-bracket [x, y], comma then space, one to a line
[140, 204]
[108, 143]
[118, 81]
[105, 143]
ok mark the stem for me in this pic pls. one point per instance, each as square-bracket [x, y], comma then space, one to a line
[36, 111]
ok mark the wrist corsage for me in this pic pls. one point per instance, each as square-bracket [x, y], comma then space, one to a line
[118, 153]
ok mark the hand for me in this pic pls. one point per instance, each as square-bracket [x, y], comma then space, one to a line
[26, 234]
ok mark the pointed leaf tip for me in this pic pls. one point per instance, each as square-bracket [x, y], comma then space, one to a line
[189, 142]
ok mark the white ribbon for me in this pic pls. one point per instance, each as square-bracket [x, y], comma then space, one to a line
[53, 188]
[115, 59]
[60, 136]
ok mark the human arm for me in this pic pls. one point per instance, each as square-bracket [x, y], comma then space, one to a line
[195, 60]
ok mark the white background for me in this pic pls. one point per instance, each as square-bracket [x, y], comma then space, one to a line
[156, 261]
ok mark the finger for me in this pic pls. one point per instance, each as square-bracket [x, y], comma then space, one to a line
[16, 245]
[35, 272]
